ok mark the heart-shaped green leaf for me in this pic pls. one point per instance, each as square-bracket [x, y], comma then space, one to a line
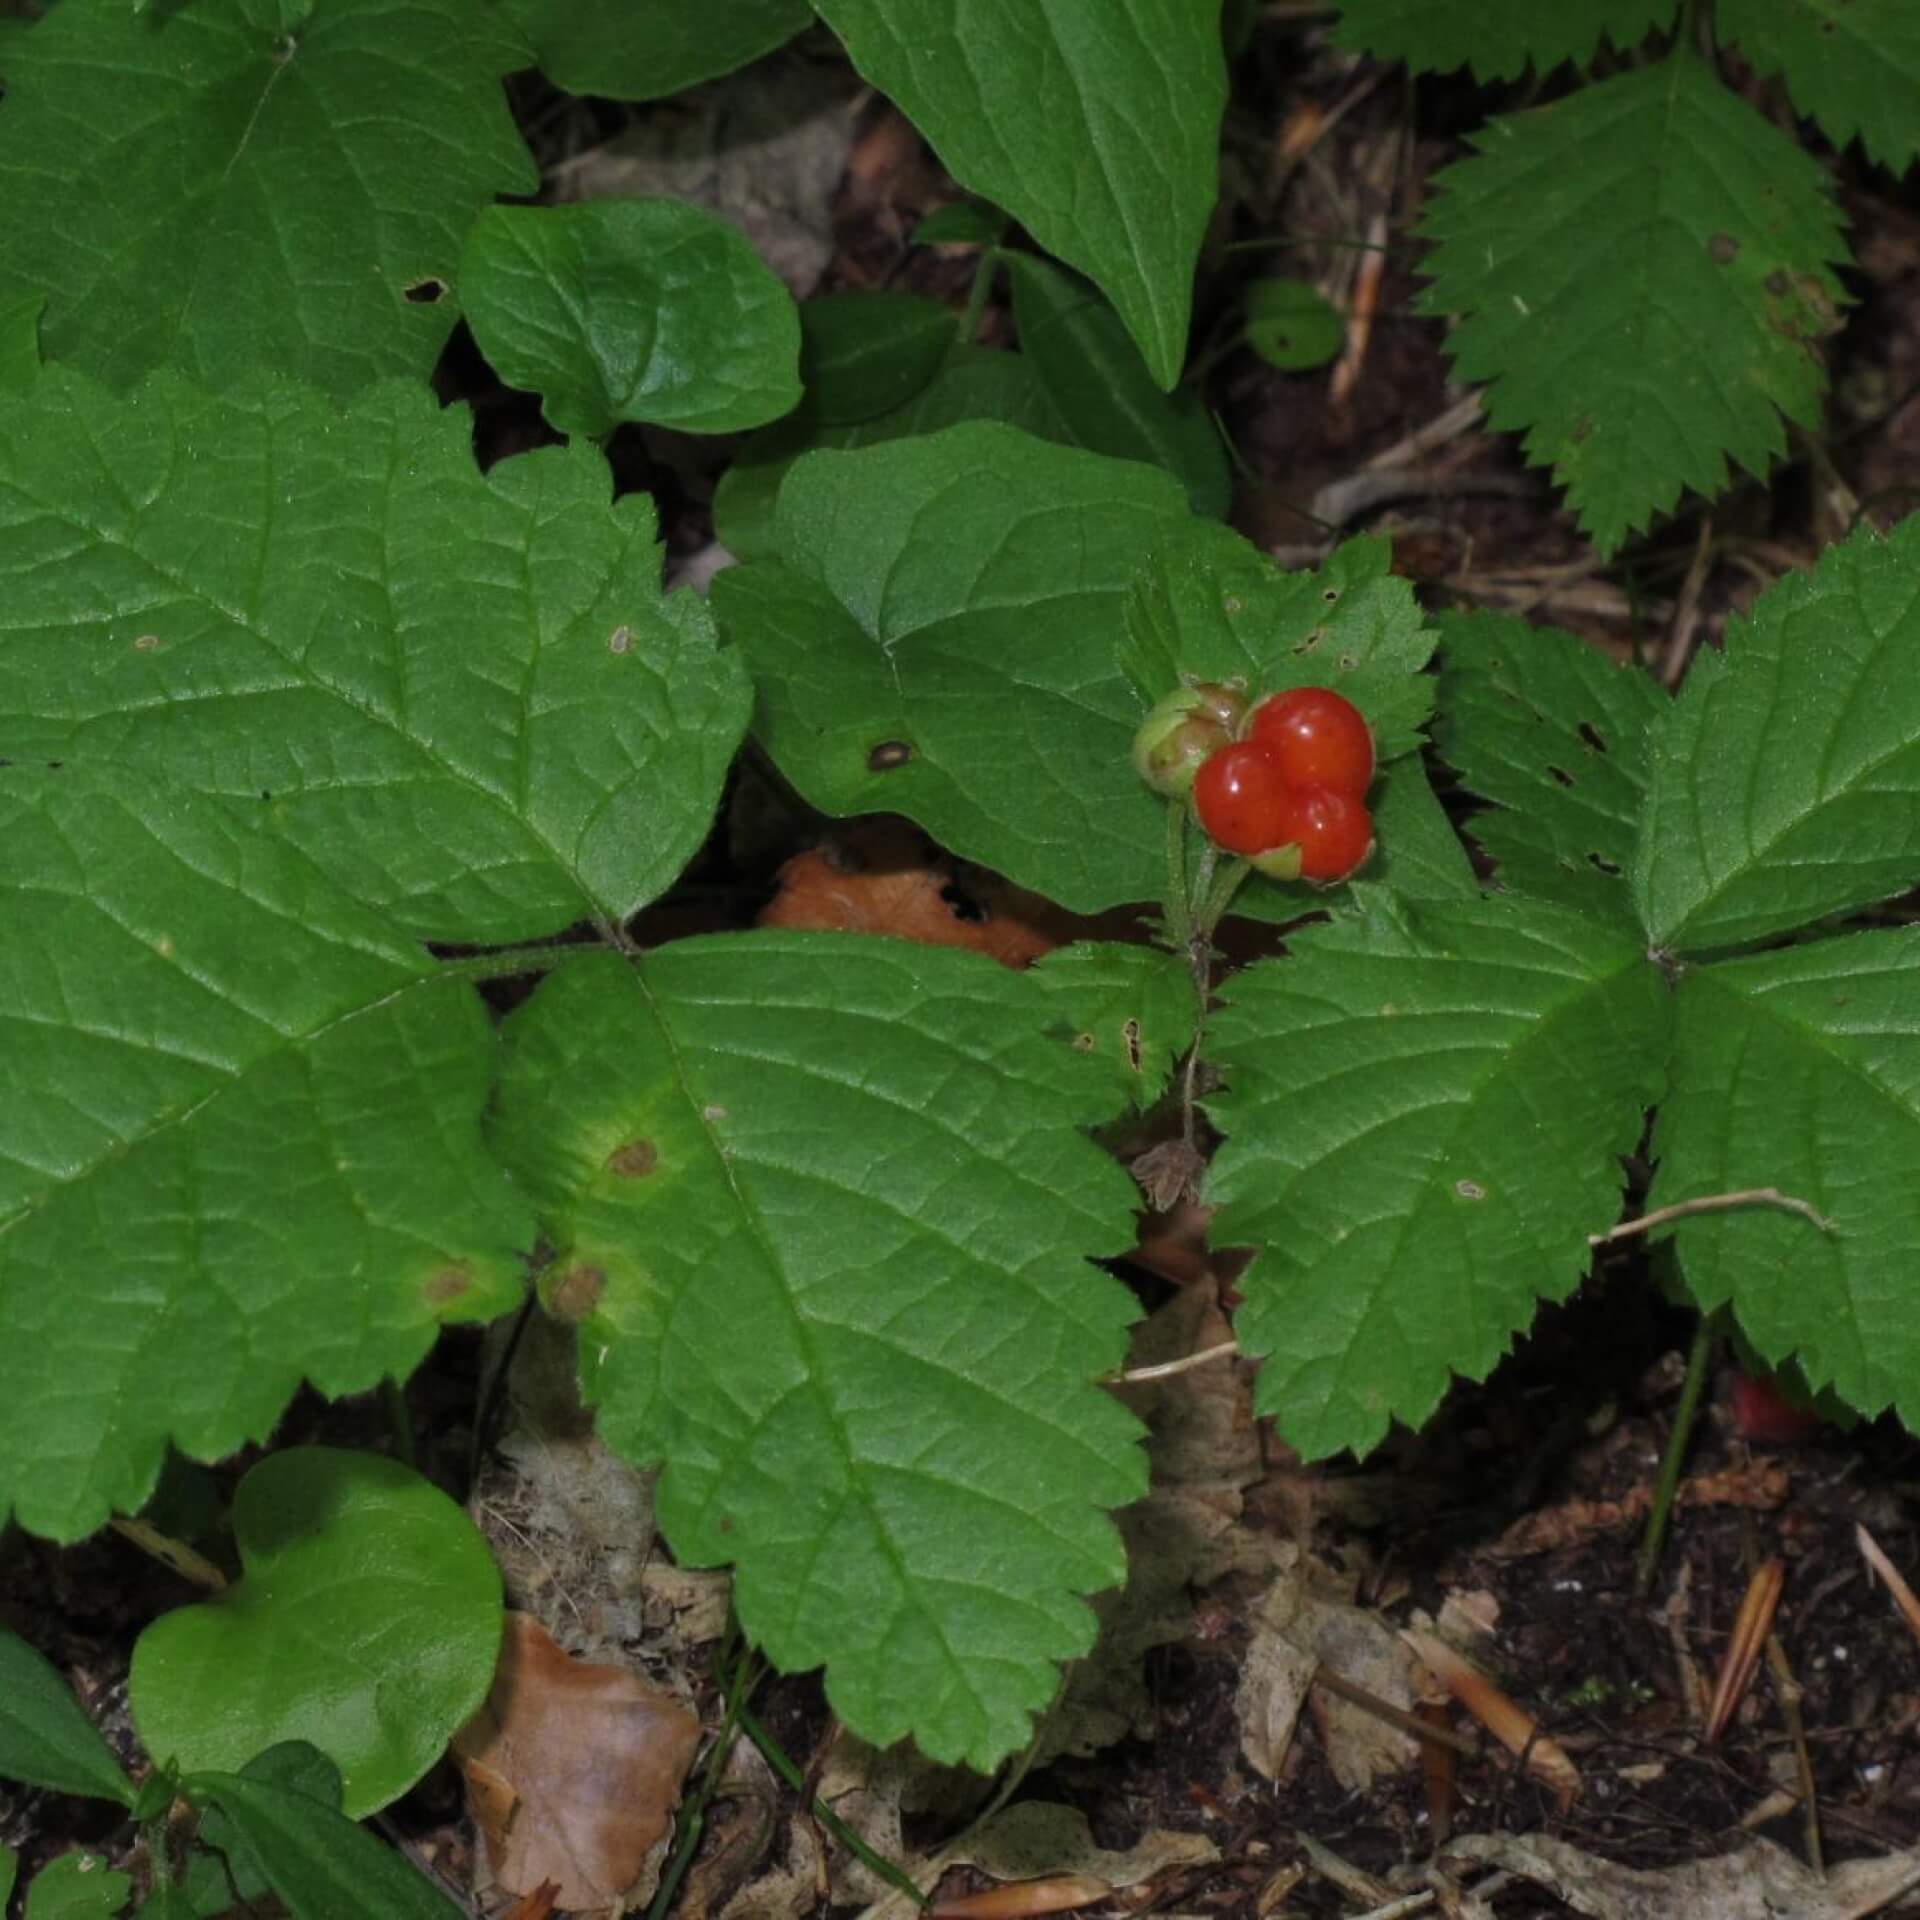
[367, 1623]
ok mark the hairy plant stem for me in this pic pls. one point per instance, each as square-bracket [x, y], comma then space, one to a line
[1705, 1336]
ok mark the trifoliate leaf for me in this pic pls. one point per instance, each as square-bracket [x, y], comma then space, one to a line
[1785, 781]
[616, 310]
[45, 1738]
[366, 1622]
[1291, 324]
[1555, 734]
[1425, 1109]
[959, 597]
[975, 383]
[1854, 65]
[191, 190]
[239, 1146]
[463, 697]
[1096, 377]
[625, 52]
[1800, 1071]
[1206, 604]
[1498, 39]
[1095, 123]
[823, 1206]
[1643, 271]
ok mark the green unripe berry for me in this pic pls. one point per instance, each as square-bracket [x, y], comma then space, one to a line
[1180, 732]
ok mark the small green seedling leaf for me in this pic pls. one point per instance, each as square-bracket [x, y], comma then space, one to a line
[465, 698]
[864, 354]
[192, 191]
[321, 1865]
[1853, 65]
[1785, 780]
[45, 1739]
[615, 310]
[824, 1229]
[1425, 1108]
[254, 1156]
[1800, 1071]
[294, 1766]
[1292, 325]
[1613, 232]
[959, 596]
[606, 47]
[77, 1886]
[966, 223]
[1095, 123]
[1499, 39]
[1555, 734]
[367, 1622]
[1093, 373]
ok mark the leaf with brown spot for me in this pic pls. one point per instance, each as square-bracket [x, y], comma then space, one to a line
[573, 1771]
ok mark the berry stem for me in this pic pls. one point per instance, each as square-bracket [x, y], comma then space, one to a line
[1179, 908]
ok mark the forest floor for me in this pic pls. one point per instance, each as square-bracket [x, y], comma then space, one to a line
[1200, 1762]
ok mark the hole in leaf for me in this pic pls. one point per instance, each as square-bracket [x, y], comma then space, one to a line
[1348, 663]
[426, 293]
[1469, 1189]
[963, 905]
[1606, 866]
[1590, 734]
[1082, 1043]
[888, 755]
[620, 640]
[1330, 594]
[1722, 249]
[1563, 776]
[1312, 640]
[1130, 1036]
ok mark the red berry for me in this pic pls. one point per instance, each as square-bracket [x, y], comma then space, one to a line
[1763, 1414]
[1333, 830]
[1317, 738]
[1242, 801]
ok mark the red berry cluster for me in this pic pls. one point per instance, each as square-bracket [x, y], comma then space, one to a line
[1298, 780]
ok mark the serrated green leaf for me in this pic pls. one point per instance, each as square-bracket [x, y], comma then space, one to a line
[825, 1232]
[192, 191]
[976, 383]
[321, 1865]
[1425, 1109]
[1785, 782]
[1292, 325]
[610, 47]
[1417, 852]
[1800, 1070]
[239, 1144]
[1095, 123]
[1853, 65]
[1131, 1007]
[1555, 734]
[45, 1738]
[464, 697]
[366, 1622]
[1592, 246]
[864, 354]
[961, 594]
[1498, 39]
[1207, 604]
[1094, 374]
[77, 1886]
[620, 309]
